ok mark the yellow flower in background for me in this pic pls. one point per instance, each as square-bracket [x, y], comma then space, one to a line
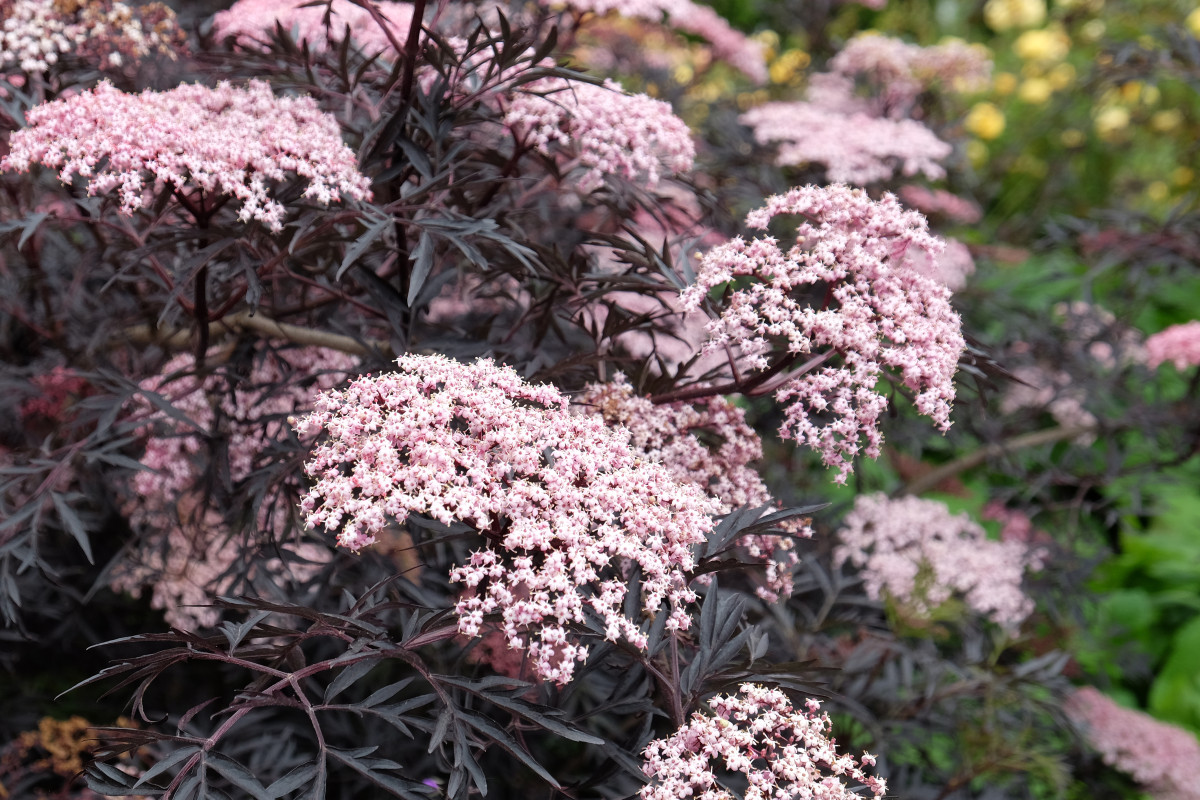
[977, 153]
[1035, 91]
[1158, 191]
[985, 121]
[789, 67]
[1000, 15]
[1061, 77]
[1111, 122]
[1093, 29]
[1004, 83]
[1182, 176]
[1193, 22]
[1045, 45]
[1072, 137]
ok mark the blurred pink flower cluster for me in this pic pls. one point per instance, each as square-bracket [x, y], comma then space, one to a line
[783, 752]
[951, 267]
[108, 33]
[255, 20]
[192, 139]
[674, 435]
[1179, 344]
[1163, 758]
[607, 130]
[861, 139]
[940, 202]
[897, 72]
[189, 558]
[728, 44]
[877, 314]
[918, 554]
[854, 148]
[559, 499]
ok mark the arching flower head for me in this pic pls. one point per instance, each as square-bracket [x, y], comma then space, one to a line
[845, 293]
[561, 501]
[256, 20]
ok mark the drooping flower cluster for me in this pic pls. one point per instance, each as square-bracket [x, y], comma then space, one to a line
[108, 33]
[255, 20]
[728, 44]
[855, 148]
[919, 555]
[189, 558]
[670, 434]
[191, 139]
[609, 131]
[1179, 344]
[1163, 758]
[783, 752]
[871, 311]
[560, 499]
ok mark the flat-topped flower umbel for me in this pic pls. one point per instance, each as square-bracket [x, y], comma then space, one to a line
[192, 139]
[562, 503]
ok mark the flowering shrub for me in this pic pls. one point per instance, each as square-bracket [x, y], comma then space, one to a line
[458, 287]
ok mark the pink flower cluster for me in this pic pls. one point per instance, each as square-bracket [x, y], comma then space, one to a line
[1179, 344]
[256, 19]
[561, 501]
[919, 555]
[191, 138]
[609, 132]
[36, 33]
[951, 267]
[670, 434]
[855, 148]
[1163, 758]
[877, 314]
[59, 389]
[728, 44]
[898, 71]
[188, 558]
[940, 202]
[783, 752]
[859, 139]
